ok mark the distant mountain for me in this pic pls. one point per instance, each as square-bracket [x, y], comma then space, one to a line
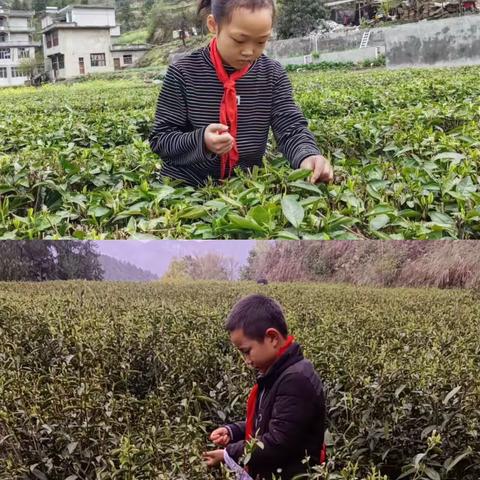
[117, 270]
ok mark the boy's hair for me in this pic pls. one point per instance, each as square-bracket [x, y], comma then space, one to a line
[222, 10]
[254, 315]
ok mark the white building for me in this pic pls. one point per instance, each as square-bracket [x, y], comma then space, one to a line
[126, 56]
[77, 40]
[16, 44]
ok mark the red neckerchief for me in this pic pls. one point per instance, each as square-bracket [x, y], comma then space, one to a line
[228, 107]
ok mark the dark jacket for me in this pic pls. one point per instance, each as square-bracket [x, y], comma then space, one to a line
[290, 417]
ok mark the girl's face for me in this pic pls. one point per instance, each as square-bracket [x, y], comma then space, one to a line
[242, 40]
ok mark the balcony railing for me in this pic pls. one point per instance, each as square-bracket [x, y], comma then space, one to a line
[8, 28]
[21, 29]
[14, 43]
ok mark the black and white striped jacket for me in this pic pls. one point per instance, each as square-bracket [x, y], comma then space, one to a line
[190, 101]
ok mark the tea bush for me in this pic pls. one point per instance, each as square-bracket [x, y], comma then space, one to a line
[104, 381]
[75, 163]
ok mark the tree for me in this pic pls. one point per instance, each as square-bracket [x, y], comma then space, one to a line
[77, 260]
[28, 67]
[177, 271]
[207, 267]
[17, 5]
[49, 260]
[39, 6]
[300, 17]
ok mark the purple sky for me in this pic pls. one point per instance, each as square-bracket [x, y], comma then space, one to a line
[155, 256]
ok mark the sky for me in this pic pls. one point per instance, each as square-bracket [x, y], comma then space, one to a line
[155, 256]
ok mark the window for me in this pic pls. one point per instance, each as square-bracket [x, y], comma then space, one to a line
[98, 60]
[58, 62]
[23, 53]
[3, 22]
[16, 73]
[52, 39]
[3, 37]
[128, 59]
[5, 54]
[3, 72]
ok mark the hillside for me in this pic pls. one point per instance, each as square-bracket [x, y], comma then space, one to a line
[116, 270]
[131, 15]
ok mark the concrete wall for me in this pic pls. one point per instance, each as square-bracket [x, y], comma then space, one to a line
[93, 17]
[17, 22]
[440, 43]
[356, 55]
[76, 44]
[82, 43]
[136, 56]
[289, 48]
[19, 37]
[329, 42]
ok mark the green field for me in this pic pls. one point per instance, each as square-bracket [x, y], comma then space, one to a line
[75, 163]
[104, 381]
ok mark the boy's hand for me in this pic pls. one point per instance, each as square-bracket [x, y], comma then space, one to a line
[321, 168]
[220, 437]
[217, 139]
[213, 458]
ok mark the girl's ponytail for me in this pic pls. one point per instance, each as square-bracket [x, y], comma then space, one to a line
[222, 9]
[204, 7]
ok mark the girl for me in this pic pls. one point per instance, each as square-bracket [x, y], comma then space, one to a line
[218, 104]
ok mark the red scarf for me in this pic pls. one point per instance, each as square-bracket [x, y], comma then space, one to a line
[228, 107]
[252, 402]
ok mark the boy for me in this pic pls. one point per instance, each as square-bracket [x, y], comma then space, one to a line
[286, 408]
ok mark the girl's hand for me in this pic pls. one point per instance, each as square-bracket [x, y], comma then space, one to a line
[217, 139]
[220, 437]
[321, 168]
[213, 458]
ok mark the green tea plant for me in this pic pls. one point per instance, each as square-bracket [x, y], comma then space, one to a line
[75, 163]
[104, 381]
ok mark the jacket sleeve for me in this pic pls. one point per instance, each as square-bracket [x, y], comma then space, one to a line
[292, 414]
[289, 125]
[237, 431]
[172, 137]
[236, 446]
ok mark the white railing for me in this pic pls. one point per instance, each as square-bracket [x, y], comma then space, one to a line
[14, 43]
[20, 29]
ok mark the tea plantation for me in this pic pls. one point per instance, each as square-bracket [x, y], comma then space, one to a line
[75, 163]
[104, 381]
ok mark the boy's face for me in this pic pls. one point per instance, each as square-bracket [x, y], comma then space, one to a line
[259, 355]
[242, 40]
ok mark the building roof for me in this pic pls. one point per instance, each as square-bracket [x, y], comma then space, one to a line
[13, 43]
[16, 13]
[69, 8]
[130, 48]
[74, 26]
[86, 7]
